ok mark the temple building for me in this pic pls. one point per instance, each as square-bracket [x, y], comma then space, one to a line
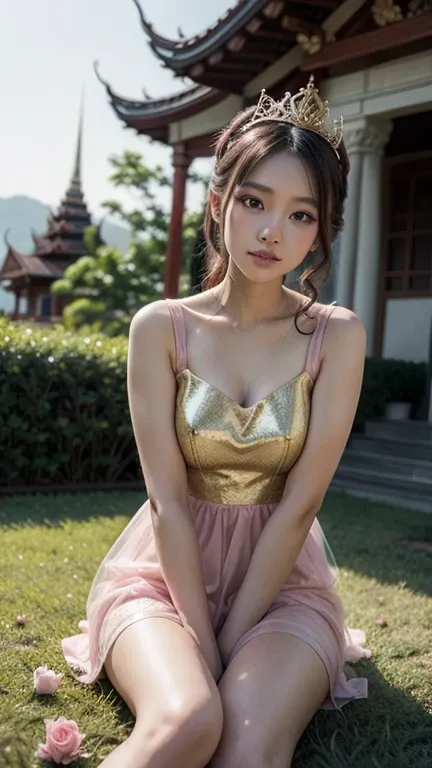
[372, 60]
[29, 277]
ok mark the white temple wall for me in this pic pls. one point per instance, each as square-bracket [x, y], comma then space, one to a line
[406, 329]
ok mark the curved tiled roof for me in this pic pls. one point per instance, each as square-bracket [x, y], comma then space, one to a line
[17, 264]
[250, 36]
[159, 106]
[234, 18]
[156, 114]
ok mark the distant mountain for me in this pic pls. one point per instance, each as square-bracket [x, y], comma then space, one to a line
[20, 215]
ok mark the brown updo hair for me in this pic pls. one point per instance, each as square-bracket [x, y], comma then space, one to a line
[237, 153]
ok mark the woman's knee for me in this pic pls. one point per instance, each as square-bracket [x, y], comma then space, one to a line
[189, 727]
[197, 719]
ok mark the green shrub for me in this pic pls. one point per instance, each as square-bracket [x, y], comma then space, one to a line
[387, 381]
[405, 382]
[373, 394]
[63, 408]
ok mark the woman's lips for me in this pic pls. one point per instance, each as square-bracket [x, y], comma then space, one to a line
[263, 257]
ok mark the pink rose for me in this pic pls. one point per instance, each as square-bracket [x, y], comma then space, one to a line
[63, 742]
[381, 623]
[46, 681]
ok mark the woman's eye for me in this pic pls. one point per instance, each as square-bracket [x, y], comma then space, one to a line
[303, 216]
[251, 202]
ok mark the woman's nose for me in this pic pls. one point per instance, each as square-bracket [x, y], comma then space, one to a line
[269, 235]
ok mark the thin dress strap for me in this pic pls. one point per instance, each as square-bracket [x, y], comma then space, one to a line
[313, 360]
[177, 317]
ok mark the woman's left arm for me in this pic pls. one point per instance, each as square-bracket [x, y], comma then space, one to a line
[334, 404]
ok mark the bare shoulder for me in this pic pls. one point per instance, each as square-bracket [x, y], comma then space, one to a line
[343, 324]
[153, 317]
[151, 329]
[345, 334]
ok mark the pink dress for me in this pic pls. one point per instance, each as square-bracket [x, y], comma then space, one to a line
[237, 460]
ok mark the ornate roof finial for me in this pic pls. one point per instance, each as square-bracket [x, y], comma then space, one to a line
[144, 23]
[6, 238]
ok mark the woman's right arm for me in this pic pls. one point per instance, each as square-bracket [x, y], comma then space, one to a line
[152, 394]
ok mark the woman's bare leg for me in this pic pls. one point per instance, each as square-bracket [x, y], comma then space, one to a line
[159, 671]
[270, 692]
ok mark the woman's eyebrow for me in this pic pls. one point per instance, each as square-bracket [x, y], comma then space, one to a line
[257, 185]
[307, 200]
[265, 188]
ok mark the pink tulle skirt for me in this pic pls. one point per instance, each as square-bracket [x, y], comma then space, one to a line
[129, 586]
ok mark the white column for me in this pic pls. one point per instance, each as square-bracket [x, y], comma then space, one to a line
[369, 226]
[348, 237]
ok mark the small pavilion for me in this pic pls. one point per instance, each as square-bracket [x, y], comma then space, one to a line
[30, 277]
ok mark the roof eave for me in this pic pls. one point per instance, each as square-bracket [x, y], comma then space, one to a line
[178, 55]
[148, 28]
[233, 19]
[154, 117]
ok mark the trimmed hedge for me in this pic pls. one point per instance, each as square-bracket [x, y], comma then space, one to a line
[386, 381]
[63, 408]
[64, 415]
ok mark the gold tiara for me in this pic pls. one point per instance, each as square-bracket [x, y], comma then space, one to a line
[304, 110]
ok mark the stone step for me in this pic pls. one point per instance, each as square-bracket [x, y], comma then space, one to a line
[400, 430]
[392, 483]
[416, 449]
[379, 494]
[410, 468]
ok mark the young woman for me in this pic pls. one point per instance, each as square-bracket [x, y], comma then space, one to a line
[214, 614]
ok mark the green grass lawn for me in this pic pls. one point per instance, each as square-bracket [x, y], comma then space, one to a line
[51, 546]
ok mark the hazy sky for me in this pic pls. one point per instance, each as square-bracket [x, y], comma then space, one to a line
[46, 55]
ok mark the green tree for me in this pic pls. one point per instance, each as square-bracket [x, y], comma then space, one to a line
[108, 287]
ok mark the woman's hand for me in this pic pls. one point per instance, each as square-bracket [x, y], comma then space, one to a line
[225, 646]
[211, 655]
[213, 659]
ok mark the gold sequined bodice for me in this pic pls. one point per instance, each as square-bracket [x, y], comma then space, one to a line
[237, 455]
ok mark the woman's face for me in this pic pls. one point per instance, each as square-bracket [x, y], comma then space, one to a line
[274, 211]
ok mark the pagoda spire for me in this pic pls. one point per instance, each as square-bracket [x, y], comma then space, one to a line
[76, 174]
[62, 244]
[67, 225]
